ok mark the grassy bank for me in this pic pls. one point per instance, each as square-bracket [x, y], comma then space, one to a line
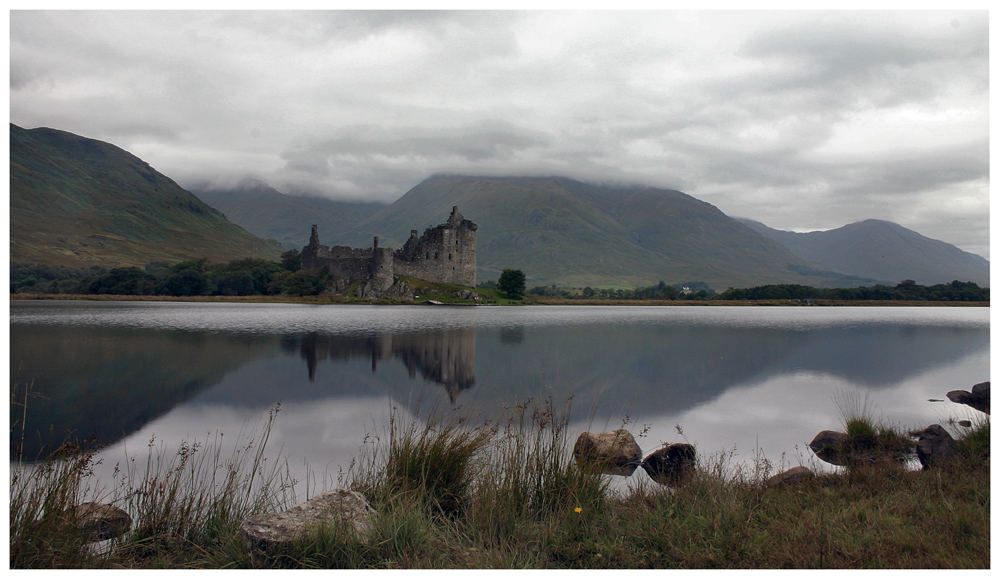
[453, 494]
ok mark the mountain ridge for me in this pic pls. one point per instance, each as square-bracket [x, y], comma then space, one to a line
[559, 230]
[77, 201]
[883, 250]
[267, 212]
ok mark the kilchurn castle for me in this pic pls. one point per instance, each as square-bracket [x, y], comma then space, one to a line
[443, 254]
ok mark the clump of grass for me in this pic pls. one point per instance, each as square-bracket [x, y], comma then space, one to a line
[492, 480]
[531, 474]
[870, 443]
[431, 464]
[41, 532]
[198, 493]
[974, 442]
[198, 496]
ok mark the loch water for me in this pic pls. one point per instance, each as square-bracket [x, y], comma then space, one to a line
[746, 381]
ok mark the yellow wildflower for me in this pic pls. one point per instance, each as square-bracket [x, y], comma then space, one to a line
[578, 510]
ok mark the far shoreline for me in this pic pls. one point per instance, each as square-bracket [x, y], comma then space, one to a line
[527, 301]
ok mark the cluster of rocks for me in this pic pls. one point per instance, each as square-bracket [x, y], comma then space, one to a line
[978, 398]
[618, 453]
[933, 445]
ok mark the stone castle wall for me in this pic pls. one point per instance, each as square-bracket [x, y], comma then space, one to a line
[443, 254]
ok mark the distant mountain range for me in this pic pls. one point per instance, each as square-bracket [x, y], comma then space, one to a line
[882, 250]
[571, 233]
[269, 213]
[78, 202]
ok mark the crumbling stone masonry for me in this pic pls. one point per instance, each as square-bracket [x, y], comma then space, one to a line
[443, 254]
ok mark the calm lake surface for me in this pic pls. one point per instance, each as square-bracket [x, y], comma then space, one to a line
[738, 380]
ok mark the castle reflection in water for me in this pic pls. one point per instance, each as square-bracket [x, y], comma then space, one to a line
[447, 357]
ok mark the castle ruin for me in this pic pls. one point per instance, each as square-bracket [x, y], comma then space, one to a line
[443, 254]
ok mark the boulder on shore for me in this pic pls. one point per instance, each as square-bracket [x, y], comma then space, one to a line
[839, 449]
[935, 445]
[979, 398]
[609, 452]
[99, 521]
[340, 507]
[670, 465]
[791, 476]
[831, 446]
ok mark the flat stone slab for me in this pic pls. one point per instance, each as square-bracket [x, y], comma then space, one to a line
[337, 508]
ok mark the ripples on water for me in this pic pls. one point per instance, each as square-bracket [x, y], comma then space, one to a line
[283, 318]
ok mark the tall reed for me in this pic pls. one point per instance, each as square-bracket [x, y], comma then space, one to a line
[197, 495]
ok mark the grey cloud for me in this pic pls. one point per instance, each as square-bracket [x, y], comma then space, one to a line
[378, 148]
[488, 139]
[852, 43]
[754, 112]
[918, 173]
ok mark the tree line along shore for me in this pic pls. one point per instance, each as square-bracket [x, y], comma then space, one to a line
[285, 280]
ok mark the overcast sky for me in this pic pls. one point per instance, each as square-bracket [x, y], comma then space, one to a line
[801, 120]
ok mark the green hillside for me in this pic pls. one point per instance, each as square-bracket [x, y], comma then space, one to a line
[78, 202]
[574, 234]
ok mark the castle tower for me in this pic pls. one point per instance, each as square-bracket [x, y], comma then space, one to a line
[382, 270]
[445, 254]
[310, 253]
[455, 219]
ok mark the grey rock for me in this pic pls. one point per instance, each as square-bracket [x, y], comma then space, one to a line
[979, 398]
[838, 449]
[340, 507]
[831, 446]
[609, 452]
[794, 475]
[670, 465]
[99, 521]
[935, 446]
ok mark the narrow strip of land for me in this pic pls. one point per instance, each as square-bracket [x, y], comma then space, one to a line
[527, 301]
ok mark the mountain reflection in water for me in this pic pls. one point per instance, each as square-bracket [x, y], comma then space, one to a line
[114, 380]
